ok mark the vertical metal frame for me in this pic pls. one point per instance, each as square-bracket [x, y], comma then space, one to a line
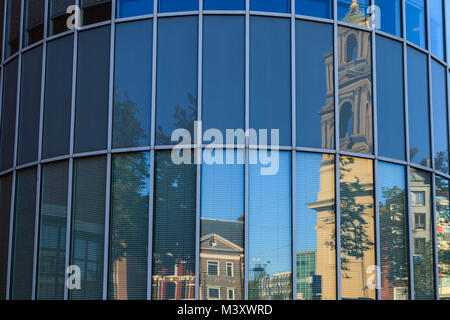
[246, 168]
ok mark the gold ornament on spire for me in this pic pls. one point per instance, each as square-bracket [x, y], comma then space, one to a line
[354, 5]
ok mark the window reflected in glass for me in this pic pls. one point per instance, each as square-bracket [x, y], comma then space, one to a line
[176, 96]
[440, 123]
[88, 226]
[177, 5]
[315, 250]
[270, 87]
[174, 228]
[23, 236]
[223, 73]
[357, 228]
[269, 224]
[418, 117]
[422, 233]
[52, 234]
[393, 215]
[315, 85]
[390, 16]
[355, 91]
[222, 226]
[436, 10]
[353, 11]
[33, 21]
[131, 8]
[5, 213]
[128, 251]
[58, 16]
[443, 236]
[315, 8]
[223, 5]
[12, 31]
[283, 6]
[390, 100]
[95, 11]
[132, 84]
[415, 22]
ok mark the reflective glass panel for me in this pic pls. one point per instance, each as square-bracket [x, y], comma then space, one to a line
[177, 5]
[132, 84]
[415, 22]
[12, 28]
[269, 226]
[5, 213]
[270, 76]
[58, 97]
[174, 229]
[176, 96]
[357, 229]
[223, 4]
[8, 117]
[2, 18]
[88, 226]
[130, 8]
[440, 122]
[353, 11]
[95, 11]
[52, 234]
[419, 120]
[315, 8]
[443, 236]
[128, 244]
[447, 29]
[58, 16]
[33, 21]
[389, 19]
[23, 238]
[315, 250]
[30, 105]
[393, 215]
[390, 100]
[436, 28]
[271, 5]
[222, 225]
[422, 233]
[223, 73]
[315, 85]
[91, 111]
[355, 91]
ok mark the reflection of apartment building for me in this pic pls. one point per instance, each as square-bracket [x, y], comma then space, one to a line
[267, 287]
[177, 285]
[443, 235]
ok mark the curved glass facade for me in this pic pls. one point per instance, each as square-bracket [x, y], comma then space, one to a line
[224, 149]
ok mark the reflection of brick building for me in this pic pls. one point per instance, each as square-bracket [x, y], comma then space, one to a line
[179, 284]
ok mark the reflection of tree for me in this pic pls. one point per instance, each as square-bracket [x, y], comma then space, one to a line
[423, 269]
[413, 152]
[443, 210]
[441, 161]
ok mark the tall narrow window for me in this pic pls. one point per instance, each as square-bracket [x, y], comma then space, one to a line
[174, 229]
[5, 213]
[443, 236]
[390, 19]
[58, 15]
[222, 224]
[269, 223]
[30, 105]
[129, 226]
[415, 22]
[33, 21]
[420, 181]
[315, 251]
[52, 235]
[436, 12]
[355, 91]
[270, 87]
[2, 18]
[91, 113]
[393, 228]
[95, 11]
[357, 228]
[88, 226]
[132, 84]
[12, 32]
[23, 241]
[418, 108]
[353, 11]
[176, 101]
[315, 8]
[130, 8]
[315, 85]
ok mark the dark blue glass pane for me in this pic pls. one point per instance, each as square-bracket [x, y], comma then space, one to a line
[314, 8]
[353, 12]
[419, 120]
[224, 73]
[130, 8]
[223, 4]
[440, 123]
[270, 76]
[315, 90]
[415, 22]
[390, 16]
[436, 28]
[176, 97]
[132, 84]
[390, 111]
[271, 5]
[177, 5]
